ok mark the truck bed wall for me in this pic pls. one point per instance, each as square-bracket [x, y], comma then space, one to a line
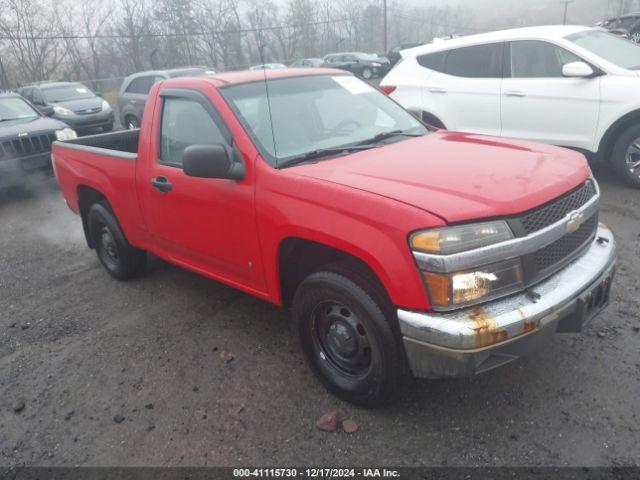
[125, 141]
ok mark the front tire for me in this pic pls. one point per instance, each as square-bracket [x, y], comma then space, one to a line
[117, 255]
[367, 73]
[626, 156]
[349, 340]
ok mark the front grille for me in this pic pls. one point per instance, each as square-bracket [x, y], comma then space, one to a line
[548, 260]
[557, 209]
[559, 251]
[26, 146]
[88, 111]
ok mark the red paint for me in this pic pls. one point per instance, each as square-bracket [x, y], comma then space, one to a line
[388, 89]
[364, 204]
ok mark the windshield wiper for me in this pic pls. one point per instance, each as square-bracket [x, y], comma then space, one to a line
[323, 152]
[393, 133]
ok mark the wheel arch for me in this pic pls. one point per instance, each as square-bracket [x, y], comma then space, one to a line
[609, 138]
[298, 257]
[87, 196]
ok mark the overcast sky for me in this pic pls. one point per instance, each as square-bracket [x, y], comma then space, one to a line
[535, 11]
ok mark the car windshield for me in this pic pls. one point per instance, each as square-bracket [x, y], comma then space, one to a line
[289, 118]
[613, 49]
[14, 108]
[72, 91]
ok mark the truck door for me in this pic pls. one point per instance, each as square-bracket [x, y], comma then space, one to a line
[203, 223]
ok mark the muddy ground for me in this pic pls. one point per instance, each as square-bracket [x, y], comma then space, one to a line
[82, 350]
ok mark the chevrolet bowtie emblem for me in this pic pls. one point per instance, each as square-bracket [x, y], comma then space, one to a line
[575, 220]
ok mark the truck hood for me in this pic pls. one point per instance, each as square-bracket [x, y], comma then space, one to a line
[82, 104]
[458, 176]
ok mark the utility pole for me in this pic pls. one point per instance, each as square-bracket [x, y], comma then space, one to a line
[566, 8]
[384, 14]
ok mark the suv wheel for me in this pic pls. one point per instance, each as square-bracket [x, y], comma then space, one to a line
[367, 73]
[626, 156]
[635, 37]
[132, 122]
[348, 337]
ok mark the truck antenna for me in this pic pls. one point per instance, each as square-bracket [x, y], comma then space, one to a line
[266, 88]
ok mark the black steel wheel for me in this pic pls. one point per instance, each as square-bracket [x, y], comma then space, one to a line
[349, 335]
[340, 338]
[117, 255]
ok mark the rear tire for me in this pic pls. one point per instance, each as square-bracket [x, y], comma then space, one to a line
[346, 329]
[626, 156]
[117, 255]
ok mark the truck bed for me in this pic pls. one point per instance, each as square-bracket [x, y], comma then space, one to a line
[123, 144]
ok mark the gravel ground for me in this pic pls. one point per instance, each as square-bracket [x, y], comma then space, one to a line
[98, 372]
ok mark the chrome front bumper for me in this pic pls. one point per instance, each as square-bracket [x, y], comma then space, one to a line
[480, 338]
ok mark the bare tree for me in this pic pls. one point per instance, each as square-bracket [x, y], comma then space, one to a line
[86, 54]
[29, 26]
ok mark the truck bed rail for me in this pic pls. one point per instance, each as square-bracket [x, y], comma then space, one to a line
[123, 144]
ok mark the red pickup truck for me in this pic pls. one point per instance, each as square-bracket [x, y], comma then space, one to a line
[402, 251]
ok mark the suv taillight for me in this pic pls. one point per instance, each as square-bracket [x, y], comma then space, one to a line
[388, 89]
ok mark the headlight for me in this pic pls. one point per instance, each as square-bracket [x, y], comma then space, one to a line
[105, 106]
[448, 240]
[459, 289]
[66, 134]
[374, 64]
[469, 287]
[65, 112]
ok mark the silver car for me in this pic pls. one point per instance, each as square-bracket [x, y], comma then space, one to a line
[135, 88]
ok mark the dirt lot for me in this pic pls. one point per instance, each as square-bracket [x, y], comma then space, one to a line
[80, 350]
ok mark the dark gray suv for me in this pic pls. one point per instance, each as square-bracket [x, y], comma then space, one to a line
[135, 88]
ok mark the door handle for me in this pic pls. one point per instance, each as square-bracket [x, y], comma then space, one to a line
[437, 89]
[162, 184]
[514, 93]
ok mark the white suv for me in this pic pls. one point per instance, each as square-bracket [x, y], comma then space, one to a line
[572, 86]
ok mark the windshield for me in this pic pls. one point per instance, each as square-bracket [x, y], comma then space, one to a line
[72, 91]
[315, 112]
[613, 49]
[14, 108]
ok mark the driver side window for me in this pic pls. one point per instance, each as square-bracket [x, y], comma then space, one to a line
[184, 123]
[537, 59]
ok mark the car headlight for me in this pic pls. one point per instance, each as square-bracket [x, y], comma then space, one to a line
[461, 289]
[105, 106]
[66, 134]
[65, 112]
[458, 289]
[375, 64]
[448, 240]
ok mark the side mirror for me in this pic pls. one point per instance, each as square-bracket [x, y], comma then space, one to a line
[46, 110]
[577, 70]
[211, 161]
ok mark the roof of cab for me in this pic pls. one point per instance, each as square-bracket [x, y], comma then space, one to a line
[550, 32]
[248, 76]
